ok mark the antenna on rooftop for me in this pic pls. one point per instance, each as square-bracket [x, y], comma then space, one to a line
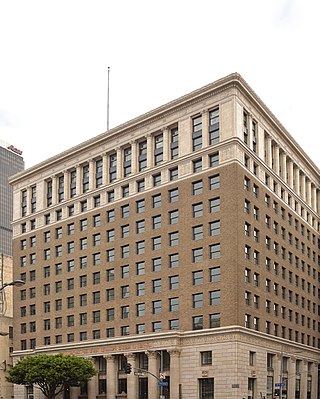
[108, 100]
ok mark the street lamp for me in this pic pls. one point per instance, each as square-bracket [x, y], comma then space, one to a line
[17, 283]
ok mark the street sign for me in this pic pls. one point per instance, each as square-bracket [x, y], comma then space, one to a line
[163, 383]
[279, 384]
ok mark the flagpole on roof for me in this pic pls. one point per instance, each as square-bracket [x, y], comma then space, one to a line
[108, 100]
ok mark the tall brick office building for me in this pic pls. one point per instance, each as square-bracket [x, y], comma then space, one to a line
[184, 242]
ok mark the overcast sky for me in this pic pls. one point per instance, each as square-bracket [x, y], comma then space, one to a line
[55, 55]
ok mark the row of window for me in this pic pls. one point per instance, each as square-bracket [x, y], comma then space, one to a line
[198, 188]
[156, 285]
[116, 168]
[156, 326]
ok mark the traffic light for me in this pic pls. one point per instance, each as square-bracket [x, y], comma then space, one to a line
[128, 368]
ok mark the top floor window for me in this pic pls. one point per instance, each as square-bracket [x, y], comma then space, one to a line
[174, 143]
[99, 172]
[158, 149]
[127, 161]
[214, 126]
[85, 178]
[60, 188]
[49, 193]
[73, 183]
[142, 161]
[112, 167]
[197, 133]
[245, 127]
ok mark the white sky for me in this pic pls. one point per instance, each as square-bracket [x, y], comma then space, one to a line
[54, 56]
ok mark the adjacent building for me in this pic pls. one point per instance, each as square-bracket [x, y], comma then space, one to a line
[11, 162]
[184, 242]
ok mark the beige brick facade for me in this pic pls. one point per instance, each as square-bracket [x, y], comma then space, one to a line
[189, 234]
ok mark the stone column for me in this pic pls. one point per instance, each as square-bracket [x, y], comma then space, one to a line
[166, 144]
[174, 373]
[314, 381]
[283, 161]
[290, 173]
[93, 385]
[54, 190]
[291, 377]
[74, 392]
[314, 198]
[308, 197]
[153, 367]
[303, 186]
[78, 179]
[104, 169]
[66, 184]
[269, 151]
[297, 180]
[205, 128]
[134, 158]
[91, 174]
[132, 380]
[303, 380]
[111, 377]
[150, 151]
[119, 163]
[277, 368]
[276, 154]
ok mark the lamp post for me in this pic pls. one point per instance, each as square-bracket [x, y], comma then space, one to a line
[17, 283]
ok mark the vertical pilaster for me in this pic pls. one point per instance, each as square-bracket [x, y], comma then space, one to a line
[291, 381]
[283, 162]
[132, 380]
[303, 380]
[111, 376]
[303, 186]
[74, 392]
[54, 190]
[134, 158]
[290, 173]
[78, 178]
[166, 144]
[150, 151]
[104, 169]
[153, 367]
[277, 369]
[269, 151]
[297, 180]
[276, 155]
[66, 184]
[314, 198]
[93, 385]
[174, 373]
[119, 163]
[314, 381]
[308, 192]
[205, 128]
[91, 174]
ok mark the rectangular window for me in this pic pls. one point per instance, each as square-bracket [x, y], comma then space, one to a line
[142, 158]
[158, 149]
[112, 167]
[127, 161]
[197, 133]
[214, 182]
[214, 126]
[174, 143]
[214, 251]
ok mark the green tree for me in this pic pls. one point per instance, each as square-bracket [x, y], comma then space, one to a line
[52, 373]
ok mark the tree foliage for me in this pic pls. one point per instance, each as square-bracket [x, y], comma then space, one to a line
[52, 373]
